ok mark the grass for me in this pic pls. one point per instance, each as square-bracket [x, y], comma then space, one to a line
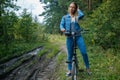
[16, 49]
[49, 48]
[57, 39]
[42, 52]
[61, 67]
[60, 57]
[104, 64]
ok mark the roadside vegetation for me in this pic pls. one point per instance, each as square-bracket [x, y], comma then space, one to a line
[23, 33]
[104, 65]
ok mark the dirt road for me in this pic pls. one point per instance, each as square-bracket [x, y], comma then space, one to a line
[29, 67]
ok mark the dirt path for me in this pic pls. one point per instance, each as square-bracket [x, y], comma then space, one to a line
[48, 72]
[31, 67]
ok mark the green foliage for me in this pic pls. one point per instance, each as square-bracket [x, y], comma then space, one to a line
[53, 14]
[27, 28]
[13, 28]
[53, 50]
[103, 65]
[16, 49]
[104, 23]
[6, 5]
[108, 29]
[19, 34]
[58, 8]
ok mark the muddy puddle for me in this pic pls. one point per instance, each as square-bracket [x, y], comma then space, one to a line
[28, 67]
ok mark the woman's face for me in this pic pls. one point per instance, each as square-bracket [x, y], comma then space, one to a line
[72, 8]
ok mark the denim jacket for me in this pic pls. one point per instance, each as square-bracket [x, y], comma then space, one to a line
[66, 22]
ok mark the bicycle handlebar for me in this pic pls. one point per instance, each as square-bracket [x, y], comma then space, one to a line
[70, 33]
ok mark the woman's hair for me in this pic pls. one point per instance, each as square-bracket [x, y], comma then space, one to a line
[76, 6]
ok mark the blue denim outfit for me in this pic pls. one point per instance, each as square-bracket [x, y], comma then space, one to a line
[66, 24]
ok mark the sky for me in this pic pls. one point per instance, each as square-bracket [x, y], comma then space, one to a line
[34, 6]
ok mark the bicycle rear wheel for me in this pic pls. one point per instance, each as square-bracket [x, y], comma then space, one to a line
[74, 71]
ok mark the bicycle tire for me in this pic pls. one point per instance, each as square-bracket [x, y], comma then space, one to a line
[74, 71]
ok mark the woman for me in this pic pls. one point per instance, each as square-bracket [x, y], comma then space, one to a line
[69, 22]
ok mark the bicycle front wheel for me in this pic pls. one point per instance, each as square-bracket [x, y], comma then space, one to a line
[74, 71]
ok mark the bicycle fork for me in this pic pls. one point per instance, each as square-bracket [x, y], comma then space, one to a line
[74, 68]
[74, 62]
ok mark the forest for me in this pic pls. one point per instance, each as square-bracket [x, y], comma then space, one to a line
[20, 34]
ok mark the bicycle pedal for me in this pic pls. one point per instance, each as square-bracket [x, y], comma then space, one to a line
[68, 62]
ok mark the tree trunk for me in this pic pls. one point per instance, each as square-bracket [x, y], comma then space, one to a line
[89, 5]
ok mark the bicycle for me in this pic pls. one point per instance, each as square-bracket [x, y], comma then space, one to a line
[75, 67]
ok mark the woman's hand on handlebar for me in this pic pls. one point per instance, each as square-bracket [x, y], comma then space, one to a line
[63, 30]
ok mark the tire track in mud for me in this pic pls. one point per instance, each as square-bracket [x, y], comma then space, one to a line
[34, 68]
[49, 72]
[46, 72]
[12, 66]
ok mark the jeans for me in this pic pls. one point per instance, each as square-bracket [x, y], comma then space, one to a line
[81, 45]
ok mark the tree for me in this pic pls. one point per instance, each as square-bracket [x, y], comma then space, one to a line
[5, 20]
[105, 22]
[55, 9]
[89, 5]
[25, 25]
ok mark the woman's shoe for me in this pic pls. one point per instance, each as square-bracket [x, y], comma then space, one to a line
[88, 71]
[68, 74]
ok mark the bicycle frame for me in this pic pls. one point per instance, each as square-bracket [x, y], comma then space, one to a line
[74, 60]
[75, 67]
